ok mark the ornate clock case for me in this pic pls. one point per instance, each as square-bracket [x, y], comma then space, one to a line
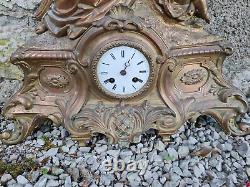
[61, 84]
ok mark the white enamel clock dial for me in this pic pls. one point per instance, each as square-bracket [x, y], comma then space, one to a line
[123, 71]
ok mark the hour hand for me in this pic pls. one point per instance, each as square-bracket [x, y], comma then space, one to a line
[111, 80]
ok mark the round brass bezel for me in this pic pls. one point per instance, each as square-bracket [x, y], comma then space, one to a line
[143, 49]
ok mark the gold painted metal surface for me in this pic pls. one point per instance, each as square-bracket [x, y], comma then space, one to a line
[59, 67]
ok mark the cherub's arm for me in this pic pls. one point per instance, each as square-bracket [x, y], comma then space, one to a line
[201, 9]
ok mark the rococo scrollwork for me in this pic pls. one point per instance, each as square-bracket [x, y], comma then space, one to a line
[60, 71]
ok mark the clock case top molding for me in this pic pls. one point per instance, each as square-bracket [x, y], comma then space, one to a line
[185, 79]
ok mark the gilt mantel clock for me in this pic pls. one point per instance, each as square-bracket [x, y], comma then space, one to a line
[120, 68]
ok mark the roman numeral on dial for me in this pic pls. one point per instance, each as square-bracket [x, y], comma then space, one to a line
[114, 87]
[113, 56]
[123, 53]
[140, 63]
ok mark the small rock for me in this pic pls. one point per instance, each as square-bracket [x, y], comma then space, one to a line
[160, 146]
[101, 149]
[15, 185]
[85, 149]
[197, 171]
[113, 153]
[248, 172]
[56, 171]
[156, 183]
[68, 182]
[118, 185]
[21, 180]
[75, 173]
[70, 143]
[217, 183]
[215, 135]
[72, 150]
[52, 183]
[192, 140]
[172, 153]
[40, 142]
[134, 179]
[228, 147]
[65, 149]
[33, 176]
[41, 183]
[243, 149]
[183, 151]
[5, 178]
[28, 185]
[51, 152]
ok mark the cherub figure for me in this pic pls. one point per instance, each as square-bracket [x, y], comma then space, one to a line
[183, 9]
[72, 17]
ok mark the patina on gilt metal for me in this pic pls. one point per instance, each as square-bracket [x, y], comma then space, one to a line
[59, 83]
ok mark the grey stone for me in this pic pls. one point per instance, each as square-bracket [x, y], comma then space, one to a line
[217, 183]
[68, 182]
[51, 152]
[106, 179]
[160, 146]
[113, 153]
[243, 149]
[5, 178]
[228, 147]
[172, 153]
[118, 185]
[41, 182]
[28, 185]
[21, 180]
[34, 176]
[65, 149]
[56, 161]
[198, 170]
[134, 179]
[156, 183]
[248, 172]
[183, 151]
[40, 142]
[70, 143]
[75, 173]
[12, 181]
[57, 171]
[101, 149]
[15, 185]
[85, 149]
[192, 140]
[73, 150]
[52, 183]
[125, 153]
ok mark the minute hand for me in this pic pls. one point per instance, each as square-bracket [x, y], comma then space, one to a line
[127, 64]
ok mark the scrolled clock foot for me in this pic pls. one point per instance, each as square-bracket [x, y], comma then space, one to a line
[239, 129]
[5, 135]
[226, 119]
[17, 135]
[23, 127]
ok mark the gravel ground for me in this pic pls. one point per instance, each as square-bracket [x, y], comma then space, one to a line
[199, 155]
